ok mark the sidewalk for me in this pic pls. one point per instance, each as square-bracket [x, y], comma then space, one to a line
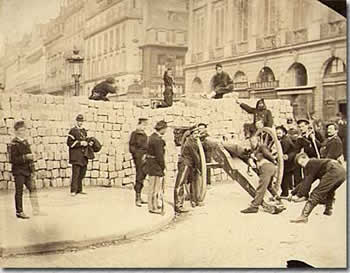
[105, 214]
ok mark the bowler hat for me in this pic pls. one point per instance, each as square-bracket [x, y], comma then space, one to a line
[303, 120]
[110, 80]
[161, 125]
[80, 117]
[281, 127]
[202, 124]
[19, 124]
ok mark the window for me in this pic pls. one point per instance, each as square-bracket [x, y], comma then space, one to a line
[269, 17]
[198, 35]
[161, 65]
[297, 75]
[99, 48]
[123, 34]
[180, 38]
[299, 14]
[111, 40]
[179, 71]
[94, 47]
[219, 15]
[161, 36]
[241, 25]
[105, 42]
[117, 38]
[266, 75]
[335, 66]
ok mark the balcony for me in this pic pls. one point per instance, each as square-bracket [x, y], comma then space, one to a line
[264, 85]
[296, 36]
[240, 85]
[267, 42]
[333, 29]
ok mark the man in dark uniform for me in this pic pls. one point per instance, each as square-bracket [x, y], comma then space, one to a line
[101, 90]
[331, 174]
[342, 130]
[309, 140]
[221, 83]
[188, 168]
[332, 146]
[22, 161]
[262, 117]
[288, 157]
[138, 149]
[155, 167]
[77, 143]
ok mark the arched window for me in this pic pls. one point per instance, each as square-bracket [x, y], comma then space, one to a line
[240, 77]
[296, 75]
[266, 75]
[197, 85]
[335, 66]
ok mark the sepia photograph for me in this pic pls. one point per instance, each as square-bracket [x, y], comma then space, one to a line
[173, 134]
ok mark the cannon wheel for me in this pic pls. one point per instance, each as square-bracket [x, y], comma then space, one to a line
[268, 137]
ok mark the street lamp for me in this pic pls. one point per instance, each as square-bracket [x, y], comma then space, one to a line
[76, 66]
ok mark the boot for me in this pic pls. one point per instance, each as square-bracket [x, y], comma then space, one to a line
[329, 208]
[250, 209]
[303, 218]
[138, 201]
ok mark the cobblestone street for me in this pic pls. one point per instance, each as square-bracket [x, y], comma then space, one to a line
[218, 235]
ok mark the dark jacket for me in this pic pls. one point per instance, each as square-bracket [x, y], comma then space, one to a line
[138, 143]
[306, 143]
[77, 153]
[20, 165]
[155, 161]
[263, 115]
[221, 80]
[288, 148]
[315, 169]
[332, 148]
[101, 90]
[168, 82]
[190, 155]
[91, 150]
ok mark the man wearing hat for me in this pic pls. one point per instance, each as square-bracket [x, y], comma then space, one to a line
[309, 140]
[101, 90]
[77, 143]
[331, 175]
[138, 149]
[289, 152]
[332, 146]
[155, 166]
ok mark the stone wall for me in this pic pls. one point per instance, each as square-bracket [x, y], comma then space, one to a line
[49, 119]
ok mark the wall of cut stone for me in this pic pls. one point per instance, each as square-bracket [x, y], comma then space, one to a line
[49, 119]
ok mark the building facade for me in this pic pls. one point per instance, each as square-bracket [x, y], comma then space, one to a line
[64, 33]
[23, 65]
[272, 49]
[133, 41]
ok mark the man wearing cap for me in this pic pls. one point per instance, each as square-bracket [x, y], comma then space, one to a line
[331, 175]
[288, 157]
[77, 143]
[138, 149]
[309, 140]
[155, 166]
[101, 90]
[221, 83]
[332, 146]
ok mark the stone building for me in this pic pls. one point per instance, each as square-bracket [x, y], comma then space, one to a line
[64, 33]
[133, 41]
[23, 66]
[272, 49]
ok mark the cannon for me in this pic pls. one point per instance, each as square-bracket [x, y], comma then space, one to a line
[226, 155]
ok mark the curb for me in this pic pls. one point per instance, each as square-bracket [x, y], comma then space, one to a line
[64, 245]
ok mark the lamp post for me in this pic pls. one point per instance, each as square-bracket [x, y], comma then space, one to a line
[76, 66]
